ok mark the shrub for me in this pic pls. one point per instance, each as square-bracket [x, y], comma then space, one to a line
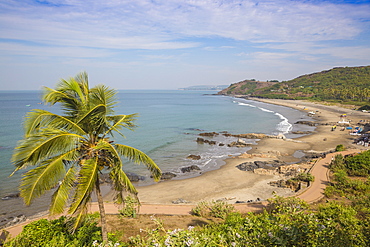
[217, 209]
[56, 233]
[339, 148]
[129, 209]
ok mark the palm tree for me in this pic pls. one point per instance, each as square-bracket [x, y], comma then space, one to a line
[70, 151]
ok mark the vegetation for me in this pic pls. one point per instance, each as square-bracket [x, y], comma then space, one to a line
[340, 147]
[217, 209]
[130, 206]
[56, 232]
[342, 219]
[70, 151]
[350, 85]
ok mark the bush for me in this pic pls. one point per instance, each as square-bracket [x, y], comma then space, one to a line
[217, 209]
[55, 233]
[339, 148]
[129, 209]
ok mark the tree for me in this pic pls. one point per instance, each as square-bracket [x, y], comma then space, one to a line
[71, 151]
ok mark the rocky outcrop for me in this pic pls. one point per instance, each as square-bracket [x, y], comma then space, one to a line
[266, 165]
[209, 134]
[240, 143]
[11, 196]
[269, 154]
[309, 123]
[202, 141]
[190, 168]
[104, 178]
[193, 157]
[168, 175]
[12, 220]
[247, 136]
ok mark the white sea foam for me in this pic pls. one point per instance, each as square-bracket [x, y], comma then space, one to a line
[284, 126]
[244, 104]
[265, 110]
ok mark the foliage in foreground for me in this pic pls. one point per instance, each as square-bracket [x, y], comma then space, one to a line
[55, 233]
[286, 222]
[287, 225]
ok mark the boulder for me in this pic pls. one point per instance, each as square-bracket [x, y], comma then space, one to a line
[190, 168]
[193, 157]
[11, 196]
[180, 201]
[209, 134]
[168, 175]
[134, 177]
[309, 123]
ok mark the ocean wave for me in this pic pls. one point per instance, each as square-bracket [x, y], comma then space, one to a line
[265, 110]
[244, 104]
[284, 126]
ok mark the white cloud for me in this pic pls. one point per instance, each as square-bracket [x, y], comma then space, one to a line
[148, 24]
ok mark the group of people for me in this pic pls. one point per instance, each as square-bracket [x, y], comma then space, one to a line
[363, 140]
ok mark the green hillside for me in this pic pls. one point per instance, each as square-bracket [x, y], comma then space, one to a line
[349, 85]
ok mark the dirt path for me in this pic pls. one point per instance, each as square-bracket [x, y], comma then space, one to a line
[321, 171]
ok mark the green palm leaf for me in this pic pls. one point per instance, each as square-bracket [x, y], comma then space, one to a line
[138, 157]
[39, 147]
[40, 118]
[40, 179]
[121, 121]
[86, 181]
[61, 195]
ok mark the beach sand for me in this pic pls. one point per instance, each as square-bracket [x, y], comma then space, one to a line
[231, 184]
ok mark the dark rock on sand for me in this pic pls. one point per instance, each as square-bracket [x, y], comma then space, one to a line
[251, 166]
[180, 201]
[309, 123]
[168, 175]
[190, 168]
[12, 220]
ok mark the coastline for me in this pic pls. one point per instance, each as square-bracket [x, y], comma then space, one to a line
[231, 184]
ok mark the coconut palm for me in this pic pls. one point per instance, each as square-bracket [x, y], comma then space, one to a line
[70, 151]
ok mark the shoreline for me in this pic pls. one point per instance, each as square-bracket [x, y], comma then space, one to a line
[231, 184]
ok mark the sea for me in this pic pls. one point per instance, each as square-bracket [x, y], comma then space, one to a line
[168, 125]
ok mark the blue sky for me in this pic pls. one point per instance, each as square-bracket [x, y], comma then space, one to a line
[169, 44]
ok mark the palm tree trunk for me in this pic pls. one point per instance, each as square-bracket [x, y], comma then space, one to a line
[103, 221]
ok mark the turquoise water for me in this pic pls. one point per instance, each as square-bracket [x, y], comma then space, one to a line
[169, 122]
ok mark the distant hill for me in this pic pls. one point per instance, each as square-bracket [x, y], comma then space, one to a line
[343, 84]
[205, 87]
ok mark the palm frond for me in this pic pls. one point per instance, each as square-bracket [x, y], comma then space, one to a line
[37, 148]
[79, 218]
[37, 181]
[138, 157]
[69, 103]
[118, 122]
[61, 195]
[86, 181]
[104, 95]
[120, 183]
[37, 119]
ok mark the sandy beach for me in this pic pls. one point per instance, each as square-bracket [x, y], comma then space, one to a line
[231, 184]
